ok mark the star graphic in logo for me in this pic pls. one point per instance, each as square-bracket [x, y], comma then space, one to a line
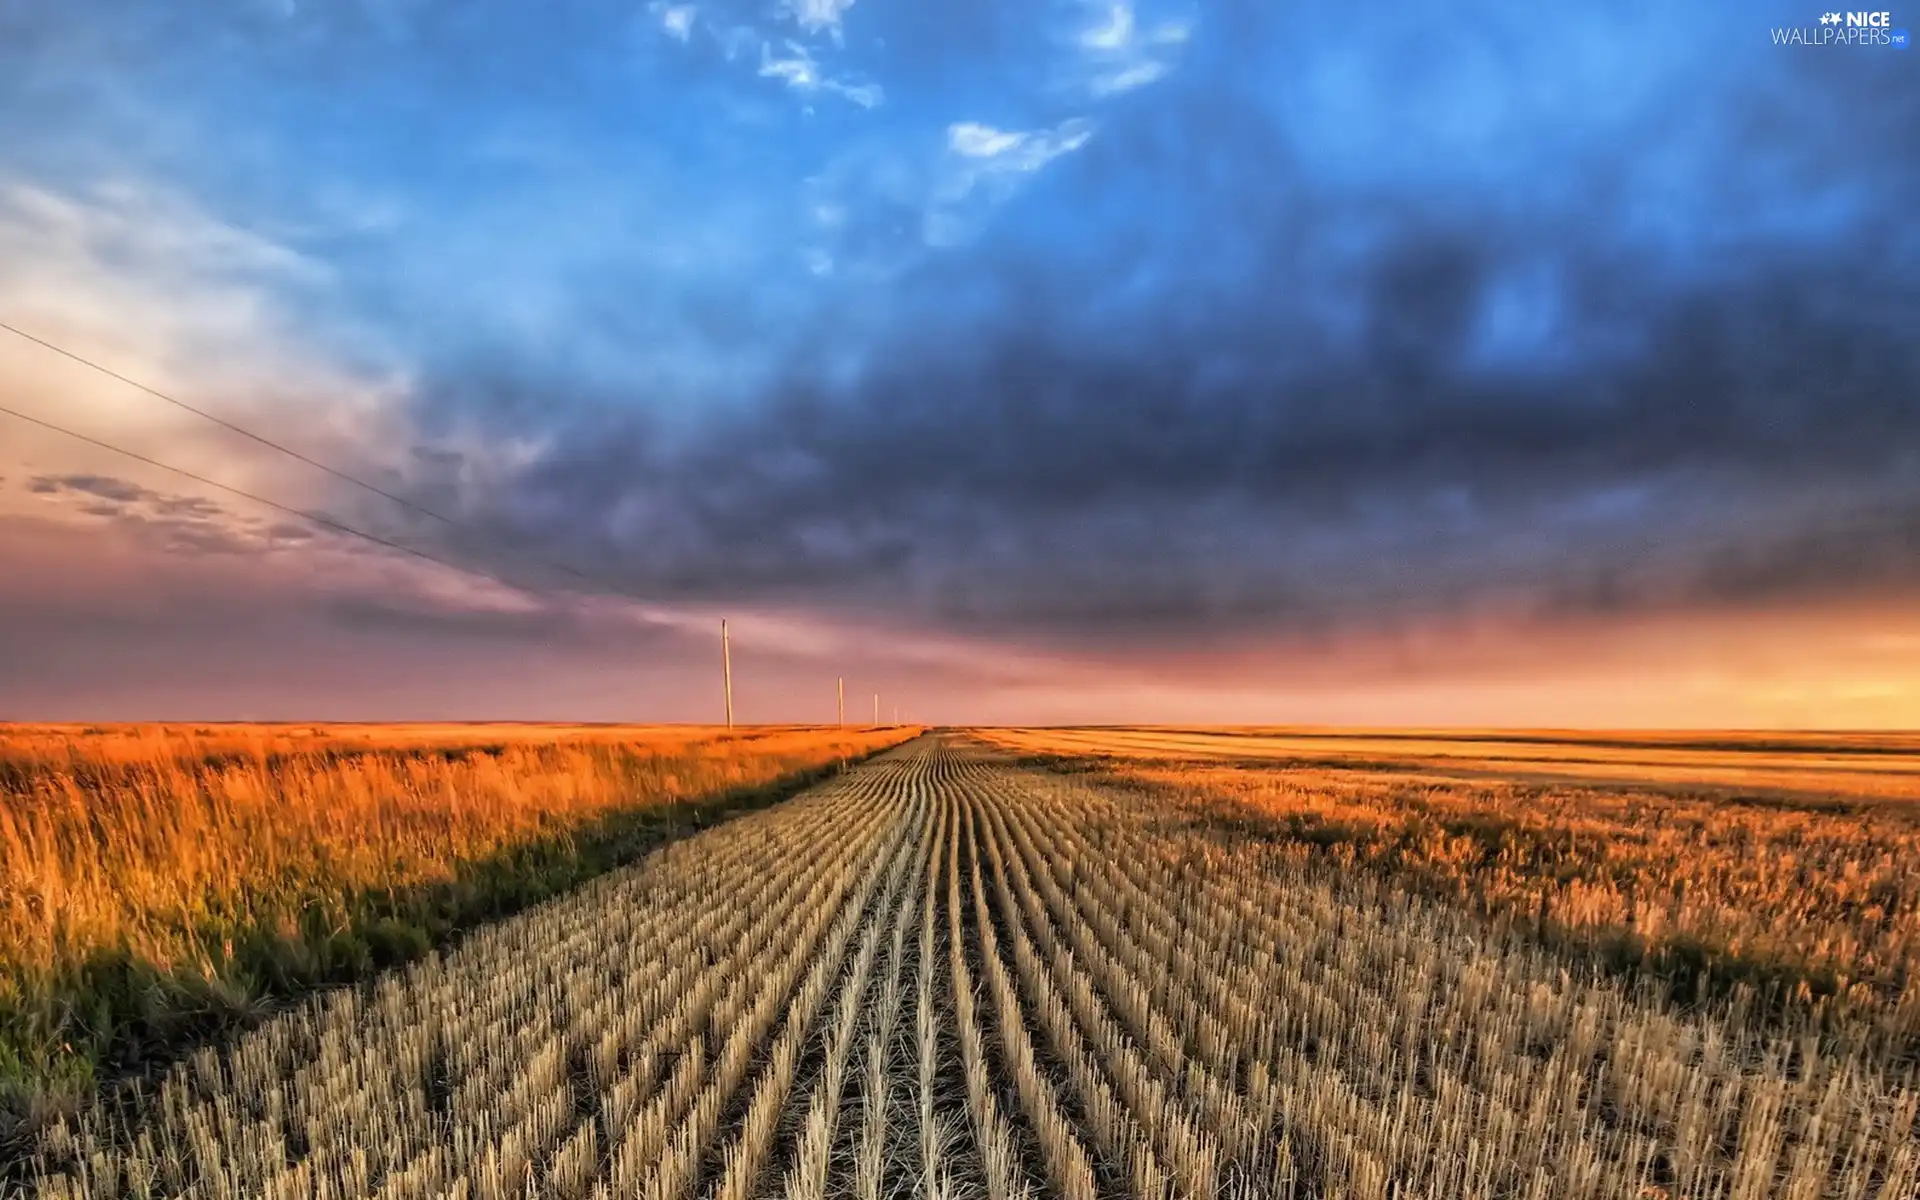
[1829, 18]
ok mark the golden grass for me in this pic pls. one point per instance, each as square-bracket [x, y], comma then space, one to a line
[1683, 865]
[154, 875]
[1801, 766]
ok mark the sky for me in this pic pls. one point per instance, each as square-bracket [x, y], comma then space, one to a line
[1481, 362]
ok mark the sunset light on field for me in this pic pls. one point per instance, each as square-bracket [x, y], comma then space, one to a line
[959, 600]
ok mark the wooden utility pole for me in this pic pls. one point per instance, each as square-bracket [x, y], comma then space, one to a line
[726, 670]
[840, 700]
[876, 710]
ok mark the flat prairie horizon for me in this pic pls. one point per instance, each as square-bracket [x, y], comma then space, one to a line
[1822, 765]
[1730, 737]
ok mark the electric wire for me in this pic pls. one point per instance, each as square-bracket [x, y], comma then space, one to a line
[315, 518]
[1898, 510]
[223, 423]
[270, 443]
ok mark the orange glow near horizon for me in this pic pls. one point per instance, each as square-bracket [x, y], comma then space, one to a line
[117, 632]
[110, 625]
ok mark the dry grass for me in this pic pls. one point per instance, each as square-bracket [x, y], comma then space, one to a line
[156, 881]
[1054, 989]
[1807, 767]
[1812, 897]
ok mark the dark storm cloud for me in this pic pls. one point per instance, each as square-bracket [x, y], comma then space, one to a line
[1352, 317]
[1670, 362]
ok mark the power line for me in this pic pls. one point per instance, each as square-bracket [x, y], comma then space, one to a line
[316, 518]
[335, 472]
[1897, 509]
[229, 425]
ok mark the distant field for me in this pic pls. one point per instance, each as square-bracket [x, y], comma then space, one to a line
[1814, 766]
[158, 882]
[1788, 863]
[948, 974]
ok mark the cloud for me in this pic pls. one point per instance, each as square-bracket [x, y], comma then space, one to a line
[147, 278]
[152, 284]
[123, 493]
[973, 140]
[816, 16]
[1485, 314]
[985, 167]
[793, 59]
[677, 19]
[1218, 372]
[996, 151]
[1116, 33]
[413, 617]
[797, 67]
[188, 524]
[874, 212]
[177, 524]
[111, 628]
[1117, 56]
[1127, 78]
[92, 485]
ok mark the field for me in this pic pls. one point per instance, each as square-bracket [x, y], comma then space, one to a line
[1786, 863]
[158, 883]
[971, 967]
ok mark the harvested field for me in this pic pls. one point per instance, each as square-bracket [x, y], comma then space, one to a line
[1818, 767]
[942, 975]
[1788, 863]
[160, 883]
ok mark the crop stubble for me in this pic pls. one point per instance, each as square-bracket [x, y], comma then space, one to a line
[940, 975]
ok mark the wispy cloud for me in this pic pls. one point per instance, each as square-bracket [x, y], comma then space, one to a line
[1113, 33]
[789, 49]
[170, 522]
[875, 211]
[975, 140]
[992, 151]
[799, 69]
[676, 19]
[819, 16]
[1128, 78]
[795, 66]
[150, 282]
[986, 166]
[1117, 55]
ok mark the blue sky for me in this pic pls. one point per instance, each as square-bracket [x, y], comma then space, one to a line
[652, 199]
[1086, 332]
